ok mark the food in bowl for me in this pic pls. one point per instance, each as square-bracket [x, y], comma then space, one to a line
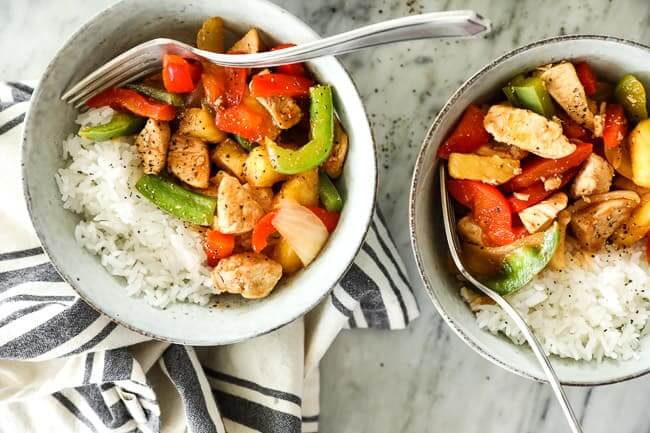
[202, 180]
[552, 186]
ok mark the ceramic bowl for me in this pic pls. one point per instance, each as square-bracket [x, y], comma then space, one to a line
[611, 58]
[49, 121]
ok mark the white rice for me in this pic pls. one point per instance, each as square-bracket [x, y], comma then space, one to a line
[596, 308]
[158, 256]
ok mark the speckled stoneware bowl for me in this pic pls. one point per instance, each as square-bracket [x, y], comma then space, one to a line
[611, 58]
[49, 121]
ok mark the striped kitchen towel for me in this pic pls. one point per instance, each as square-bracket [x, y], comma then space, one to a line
[66, 368]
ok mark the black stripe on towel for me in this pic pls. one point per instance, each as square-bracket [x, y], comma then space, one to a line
[254, 386]
[12, 123]
[51, 334]
[43, 272]
[368, 250]
[105, 332]
[390, 255]
[256, 416]
[363, 289]
[25, 311]
[21, 253]
[88, 367]
[118, 364]
[65, 401]
[112, 417]
[60, 299]
[181, 371]
[343, 310]
[24, 88]
[313, 418]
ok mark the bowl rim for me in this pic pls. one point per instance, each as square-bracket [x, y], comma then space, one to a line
[73, 283]
[427, 142]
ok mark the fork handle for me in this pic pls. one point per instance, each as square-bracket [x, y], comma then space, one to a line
[429, 25]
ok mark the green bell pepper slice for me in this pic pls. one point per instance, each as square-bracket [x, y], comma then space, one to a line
[244, 143]
[532, 94]
[316, 152]
[121, 124]
[158, 94]
[509, 90]
[521, 265]
[176, 200]
[328, 193]
[630, 93]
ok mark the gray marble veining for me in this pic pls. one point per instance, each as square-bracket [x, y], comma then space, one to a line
[423, 379]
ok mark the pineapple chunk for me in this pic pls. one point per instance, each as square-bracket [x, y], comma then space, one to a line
[489, 169]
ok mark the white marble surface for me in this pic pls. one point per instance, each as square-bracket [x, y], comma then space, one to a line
[423, 379]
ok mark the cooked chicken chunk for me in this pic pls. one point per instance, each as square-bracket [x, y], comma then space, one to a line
[563, 84]
[501, 150]
[334, 164]
[252, 275]
[594, 219]
[470, 231]
[528, 131]
[474, 299]
[250, 43]
[237, 210]
[263, 196]
[188, 159]
[152, 143]
[595, 177]
[284, 111]
[541, 215]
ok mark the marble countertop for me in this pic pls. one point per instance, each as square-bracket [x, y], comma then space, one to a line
[423, 379]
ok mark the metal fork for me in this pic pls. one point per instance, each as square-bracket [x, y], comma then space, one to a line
[449, 220]
[146, 58]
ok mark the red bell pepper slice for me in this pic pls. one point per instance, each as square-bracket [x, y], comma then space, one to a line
[248, 119]
[542, 168]
[180, 75]
[536, 192]
[292, 69]
[615, 127]
[490, 209]
[293, 86]
[134, 102]
[218, 246]
[262, 230]
[236, 85]
[586, 77]
[468, 136]
[224, 86]
[329, 219]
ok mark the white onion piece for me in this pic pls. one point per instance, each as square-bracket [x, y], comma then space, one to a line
[303, 230]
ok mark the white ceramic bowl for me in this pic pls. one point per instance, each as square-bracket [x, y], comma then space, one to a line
[49, 121]
[610, 58]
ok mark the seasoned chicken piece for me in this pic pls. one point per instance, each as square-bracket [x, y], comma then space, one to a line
[563, 84]
[334, 164]
[237, 210]
[594, 219]
[552, 183]
[474, 299]
[188, 159]
[252, 275]
[501, 150]
[541, 215]
[152, 143]
[469, 230]
[284, 110]
[528, 131]
[595, 177]
[263, 196]
[250, 43]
